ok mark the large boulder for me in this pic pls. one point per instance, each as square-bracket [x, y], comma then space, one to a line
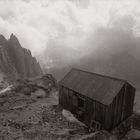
[38, 94]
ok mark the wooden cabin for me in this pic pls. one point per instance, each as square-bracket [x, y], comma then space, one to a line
[98, 101]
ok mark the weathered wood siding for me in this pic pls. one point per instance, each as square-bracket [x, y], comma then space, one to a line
[114, 111]
[121, 107]
[130, 95]
[108, 116]
[93, 110]
[136, 120]
[98, 112]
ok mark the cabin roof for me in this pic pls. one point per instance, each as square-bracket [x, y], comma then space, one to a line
[95, 86]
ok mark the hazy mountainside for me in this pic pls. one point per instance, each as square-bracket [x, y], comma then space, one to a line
[15, 61]
[113, 52]
[122, 65]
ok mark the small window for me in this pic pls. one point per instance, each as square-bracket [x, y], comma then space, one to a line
[81, 102]
[74, 100]
[71, 93]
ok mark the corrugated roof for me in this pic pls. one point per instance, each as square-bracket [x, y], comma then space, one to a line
[98, 87]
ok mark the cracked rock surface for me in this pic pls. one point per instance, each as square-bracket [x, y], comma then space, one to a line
[30, 112]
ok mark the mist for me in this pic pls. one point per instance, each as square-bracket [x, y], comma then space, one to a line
[101, 36]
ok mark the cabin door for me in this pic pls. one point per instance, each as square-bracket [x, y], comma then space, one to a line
[81, 109]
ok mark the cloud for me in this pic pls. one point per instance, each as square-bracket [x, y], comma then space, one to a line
[70, 29]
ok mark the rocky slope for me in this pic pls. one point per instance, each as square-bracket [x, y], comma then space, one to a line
[29, 110]
[15, 61]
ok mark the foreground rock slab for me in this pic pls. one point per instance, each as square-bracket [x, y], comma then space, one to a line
[29, 112]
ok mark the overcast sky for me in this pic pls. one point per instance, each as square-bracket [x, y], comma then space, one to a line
[69, 24]
[37, 21]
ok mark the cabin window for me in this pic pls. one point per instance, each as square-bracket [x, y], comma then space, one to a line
[75, 102]
[81, 102]
[65, 91]
[71, 93]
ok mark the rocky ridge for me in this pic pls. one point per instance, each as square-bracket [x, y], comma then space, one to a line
[15, 61]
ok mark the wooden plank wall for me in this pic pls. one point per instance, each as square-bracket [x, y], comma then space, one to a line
[129, 100]
[115, 111]
[121, 107]
[93, 109]
[108, 116]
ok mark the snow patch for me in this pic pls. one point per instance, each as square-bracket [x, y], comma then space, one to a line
[6, 89]
[70, 117]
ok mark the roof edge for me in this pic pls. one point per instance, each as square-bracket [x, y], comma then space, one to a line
[119, 79]
[65, 76]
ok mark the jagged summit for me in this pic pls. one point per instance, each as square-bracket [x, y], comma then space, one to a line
[15, 61]
[14, 40]
[2, 39]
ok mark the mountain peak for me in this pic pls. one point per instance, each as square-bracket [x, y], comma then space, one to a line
[12, 36]
[14, 40]
[1, 36]
[17, 61]
[2, 39]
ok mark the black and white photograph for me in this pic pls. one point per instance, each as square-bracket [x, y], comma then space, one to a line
[69, 69]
